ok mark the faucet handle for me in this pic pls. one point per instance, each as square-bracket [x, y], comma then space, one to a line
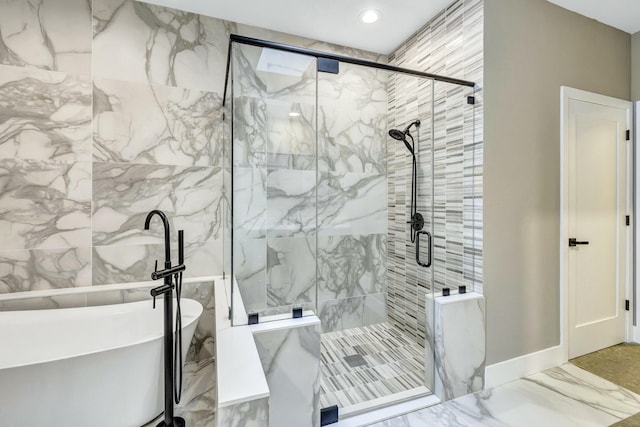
[154, 302]
[156, 266]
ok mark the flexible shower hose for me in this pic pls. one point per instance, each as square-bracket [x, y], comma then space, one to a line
[177, 353]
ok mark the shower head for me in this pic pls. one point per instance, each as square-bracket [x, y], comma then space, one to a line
[397, 134]
[401, 136]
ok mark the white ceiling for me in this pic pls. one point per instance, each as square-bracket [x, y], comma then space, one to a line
[621, 14]
[336, 21]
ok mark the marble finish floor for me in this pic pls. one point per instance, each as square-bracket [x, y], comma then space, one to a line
[367, 363]
[565, 396]
[198, 402]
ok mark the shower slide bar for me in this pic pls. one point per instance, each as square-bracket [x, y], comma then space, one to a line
[341, 58]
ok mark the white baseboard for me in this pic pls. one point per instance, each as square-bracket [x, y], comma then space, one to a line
[635, 331]
[519, 367]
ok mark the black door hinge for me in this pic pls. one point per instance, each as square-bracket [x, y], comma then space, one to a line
[329, 415]
[471, 100]
[628, 220]
[326, 65]
[626, 304]
[628, 135]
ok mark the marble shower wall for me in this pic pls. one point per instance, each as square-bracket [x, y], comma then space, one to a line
[310, 211]
[451, 44]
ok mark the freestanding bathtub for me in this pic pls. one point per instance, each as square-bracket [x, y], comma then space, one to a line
[89, 366]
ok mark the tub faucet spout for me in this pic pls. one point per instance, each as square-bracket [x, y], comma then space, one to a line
[167, 232]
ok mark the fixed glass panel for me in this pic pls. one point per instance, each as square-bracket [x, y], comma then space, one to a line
[274, 182]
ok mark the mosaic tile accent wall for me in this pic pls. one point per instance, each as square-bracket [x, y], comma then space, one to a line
[452, 45]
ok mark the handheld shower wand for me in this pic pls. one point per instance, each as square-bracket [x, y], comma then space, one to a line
[417, 221]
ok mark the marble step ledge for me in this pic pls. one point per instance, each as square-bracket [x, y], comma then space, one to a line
[242, 389]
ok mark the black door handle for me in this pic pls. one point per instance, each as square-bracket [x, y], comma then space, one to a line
[574, 242]
[429, 244]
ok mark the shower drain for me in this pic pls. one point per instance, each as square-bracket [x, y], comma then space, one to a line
[355, 360]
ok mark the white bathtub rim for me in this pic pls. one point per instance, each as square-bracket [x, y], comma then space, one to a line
[198, 312]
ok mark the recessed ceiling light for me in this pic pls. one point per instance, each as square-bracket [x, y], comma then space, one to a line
[294, 114]
[369, 16]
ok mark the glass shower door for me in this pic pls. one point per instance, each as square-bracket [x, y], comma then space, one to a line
[371, 292]
[411, 194]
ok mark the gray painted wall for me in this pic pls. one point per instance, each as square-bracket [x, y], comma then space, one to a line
[533, 47]
[635, 67]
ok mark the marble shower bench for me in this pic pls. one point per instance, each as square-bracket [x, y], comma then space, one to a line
[268, 374]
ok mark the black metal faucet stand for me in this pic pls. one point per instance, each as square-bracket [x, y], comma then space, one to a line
[167, 291]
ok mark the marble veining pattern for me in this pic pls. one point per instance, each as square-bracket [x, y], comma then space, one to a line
[164, 46]
[250, 203]
[134, 263]
[459, 342]
[291, 203]
[351, 203]
[291, 361]
[565, 396]
[393, 364]
[352, 120]
[123, 194]
[249, 132]
[39, 269]
[247, 414]
[198, 402]
[352, 312]
[351, 265]
[141, 123]
[44, 115]
[50, 35]
[291, 273]
[44, 204]
[250, 270]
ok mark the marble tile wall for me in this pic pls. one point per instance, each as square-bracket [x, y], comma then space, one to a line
[309, 191]
[254, 413]
[450, 44]
[110, 108]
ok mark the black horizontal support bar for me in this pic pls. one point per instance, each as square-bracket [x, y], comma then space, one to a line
[346, 59]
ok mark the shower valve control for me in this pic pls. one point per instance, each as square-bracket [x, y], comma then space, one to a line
[575, 242]
[417, 221]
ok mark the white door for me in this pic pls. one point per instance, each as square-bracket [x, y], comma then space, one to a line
[597, 207]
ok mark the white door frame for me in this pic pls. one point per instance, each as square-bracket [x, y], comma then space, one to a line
[567, 93]
[635, 138]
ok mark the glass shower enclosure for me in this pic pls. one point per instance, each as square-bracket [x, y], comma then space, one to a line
[321, 217]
